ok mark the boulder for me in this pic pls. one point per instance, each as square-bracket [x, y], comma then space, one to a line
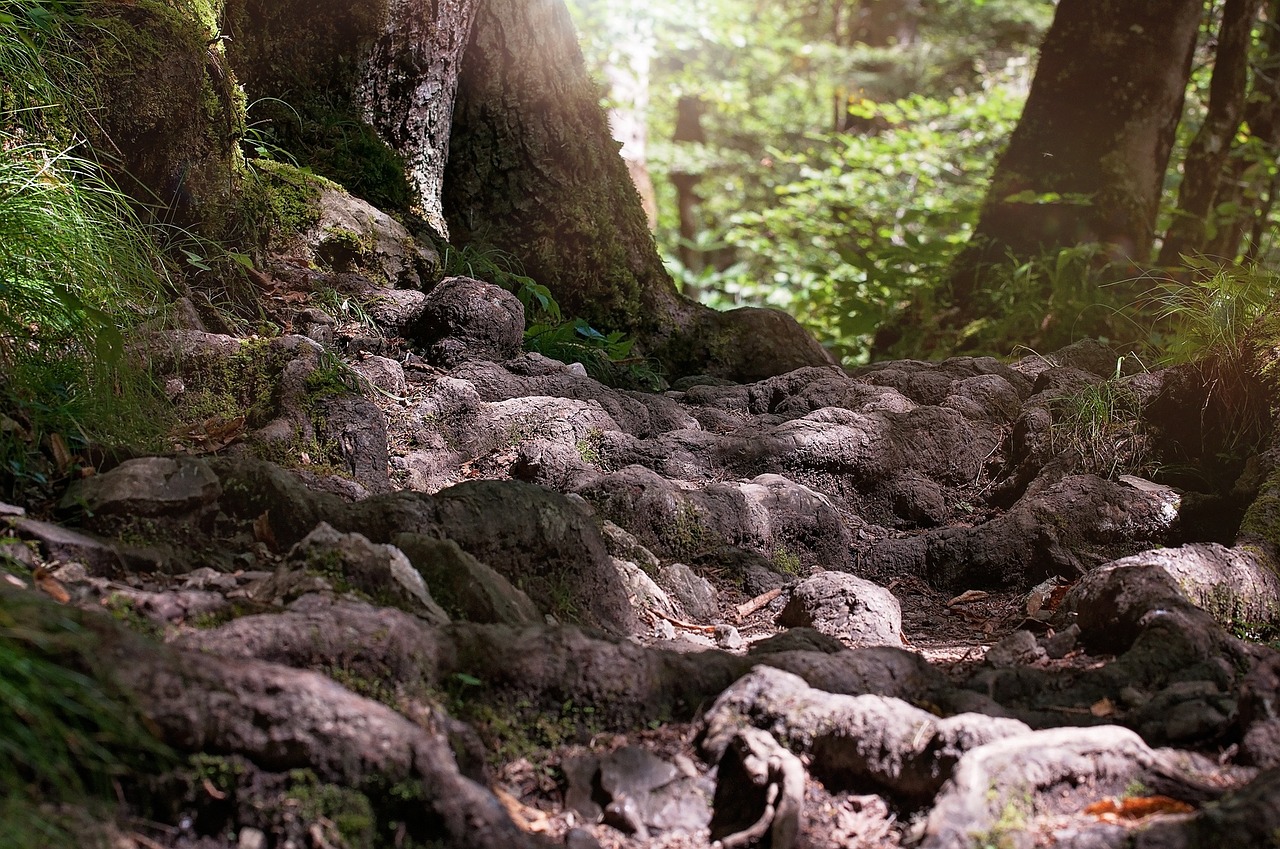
[851, 609]
[146, 486]
[351, 562]
[468, 319]
[468, 589]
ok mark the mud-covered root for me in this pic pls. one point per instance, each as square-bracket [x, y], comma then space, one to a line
[759, 794]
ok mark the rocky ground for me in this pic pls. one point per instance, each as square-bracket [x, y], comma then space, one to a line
[483, 600]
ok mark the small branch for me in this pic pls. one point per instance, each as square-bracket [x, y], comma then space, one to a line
[747, 608]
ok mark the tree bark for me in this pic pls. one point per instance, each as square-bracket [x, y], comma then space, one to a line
[407, 85]
[534, 171]
[1202, 169]
[1244, 184]
[1088, 157]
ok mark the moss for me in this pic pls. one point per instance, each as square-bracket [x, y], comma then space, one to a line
[298, 62]
[1261, 522]
[284, 199]
[244, 383]
[174, 115]
[123, 610]
[371, 688]
[349, 810]
[787, 563]
[514, 728]
[687, 536]
[589, 447]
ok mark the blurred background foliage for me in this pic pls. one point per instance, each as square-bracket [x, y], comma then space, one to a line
[831, 157]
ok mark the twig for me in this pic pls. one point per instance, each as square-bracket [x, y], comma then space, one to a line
[747, 608]
[680, 623]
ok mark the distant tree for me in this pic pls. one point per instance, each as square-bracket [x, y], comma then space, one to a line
[1207, 155]
[1087, 160]
[1247, 185]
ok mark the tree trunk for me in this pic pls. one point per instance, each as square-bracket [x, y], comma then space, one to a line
[1248, 185]
[407, 85]
[689, 130]
[1088, 158]
[1202, 170]
[361, 92]
[534, 171]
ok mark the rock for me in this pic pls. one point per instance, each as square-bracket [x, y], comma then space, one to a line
[642, 589]
[395, 311]
[99, 556]
[543, 543]
[634, 791]
[469, 319]
[466, 588]
[355, 431]
[251, 838]
[626, 547]
[351, 234]
[1062, 643]
[694, 594]
[848, 608]
[317, 325]
[351, 561]
[382, 373]
[1017, 649]
[728, 638]
[146, 486]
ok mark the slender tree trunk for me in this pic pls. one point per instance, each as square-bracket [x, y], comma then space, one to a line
[1088, 157]
[689, 131]
[1247, 182]
[1202, 169]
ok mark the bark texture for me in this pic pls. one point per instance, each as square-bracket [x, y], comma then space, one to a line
[407, 86]
[534, 171]
[1087, 159]
[1202, 169]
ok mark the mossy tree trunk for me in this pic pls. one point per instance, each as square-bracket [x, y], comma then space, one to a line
[1088, 157]
[533, 170]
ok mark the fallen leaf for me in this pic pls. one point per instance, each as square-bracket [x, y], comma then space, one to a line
[1136, 808]
[527, 818]
[16, 581]
[51, 586]
[262, 531]
[1102, 707]
[968, 596]
[1039, 596]
[62, 455]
